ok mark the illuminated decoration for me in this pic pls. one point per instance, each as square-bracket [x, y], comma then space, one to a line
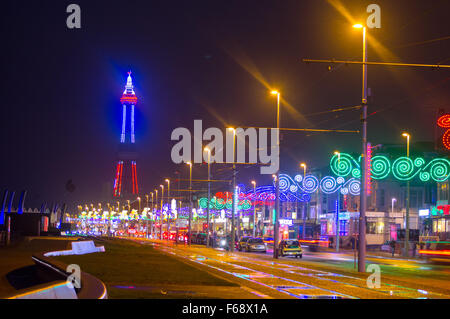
[368, 168]
[440, 210]
[444, 121]
[126, 165]
[327, 185]
[219, 204]
[403, 168]
[344, 164]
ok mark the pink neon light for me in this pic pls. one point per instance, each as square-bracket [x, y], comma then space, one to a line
[135, 178]
[367, 171]
[128, 98]
[120, 178]
[132, 177]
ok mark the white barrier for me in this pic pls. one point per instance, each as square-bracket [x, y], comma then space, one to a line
[78, 248]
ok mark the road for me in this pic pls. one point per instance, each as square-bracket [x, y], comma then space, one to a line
[317, 274]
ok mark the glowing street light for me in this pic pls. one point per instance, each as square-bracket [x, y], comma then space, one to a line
[254, 208]
[407, 200]
[168, 211]
[161, 213]
[304, 169]
[209, 195]
[233, 210]
[277, 196]
[190, 202]
[363, 193]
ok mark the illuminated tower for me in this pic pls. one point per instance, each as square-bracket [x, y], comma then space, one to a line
[125, 183]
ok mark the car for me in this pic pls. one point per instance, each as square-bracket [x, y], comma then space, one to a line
[242, 244]
[256, 244]
[436, 251]
[268, 241]
[290, 247]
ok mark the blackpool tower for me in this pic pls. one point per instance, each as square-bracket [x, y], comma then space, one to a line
[125, 182]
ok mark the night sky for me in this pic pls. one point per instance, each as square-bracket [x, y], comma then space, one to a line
[210, 60]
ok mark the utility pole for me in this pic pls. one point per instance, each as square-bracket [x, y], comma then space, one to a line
[233, 233]
[363, 197]
[190, 204]
[209, 197]
[277, 184]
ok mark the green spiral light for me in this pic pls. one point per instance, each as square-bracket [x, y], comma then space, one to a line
[343, 165]
[380, 167]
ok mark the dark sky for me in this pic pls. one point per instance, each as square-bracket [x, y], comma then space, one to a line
[203, 60]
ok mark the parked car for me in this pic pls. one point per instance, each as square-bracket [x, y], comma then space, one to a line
[256, 244]
[290, 247]
[242, 244]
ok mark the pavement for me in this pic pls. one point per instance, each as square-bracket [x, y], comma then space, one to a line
[317, 274]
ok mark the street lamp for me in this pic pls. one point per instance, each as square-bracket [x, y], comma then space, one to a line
[277, 196]
[363, 195]
[233, 210]
[209, 195]
[139, 201]
[303, 165]
[338, 206]
[190, 202]
[156, 206]
[161, 215]
[392, 213]
[254, 208]
[168, 211]
[407, 201]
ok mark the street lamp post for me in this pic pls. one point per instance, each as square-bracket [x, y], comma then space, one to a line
[209, 196]
[363, 197]
[168, 212]
[233, 210]
[338, 206]
[161, 214]
[277, 185]
[156, 208]
[190, 203]
[407, 201]
[392, 213]
[306, 209]
[254, 208]
[151, 217]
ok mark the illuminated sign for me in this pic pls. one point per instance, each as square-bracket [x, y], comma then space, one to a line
[440, 210]
[424, 212]
[287, 222]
